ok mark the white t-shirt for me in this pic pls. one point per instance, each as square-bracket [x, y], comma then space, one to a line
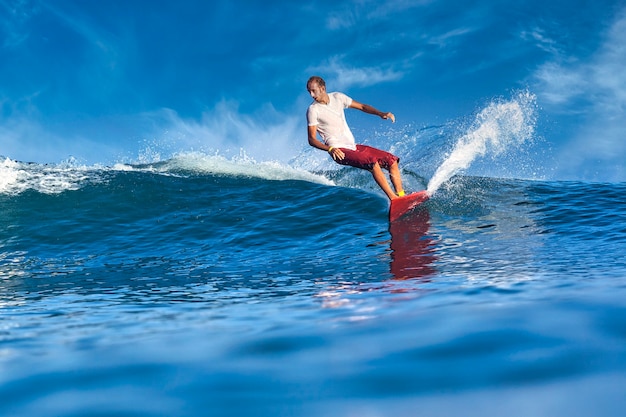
[331, 121]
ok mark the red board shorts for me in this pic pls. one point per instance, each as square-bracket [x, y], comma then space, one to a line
[365, 157]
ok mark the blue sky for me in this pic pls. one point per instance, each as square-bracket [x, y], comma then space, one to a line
[102, 81]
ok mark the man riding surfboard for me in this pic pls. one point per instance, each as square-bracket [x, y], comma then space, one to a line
[325, 116]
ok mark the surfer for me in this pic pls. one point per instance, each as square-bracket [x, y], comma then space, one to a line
[326, 116]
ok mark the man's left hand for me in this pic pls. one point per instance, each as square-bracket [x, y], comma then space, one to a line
[389, 116]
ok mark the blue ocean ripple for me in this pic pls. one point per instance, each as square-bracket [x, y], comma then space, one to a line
[150, 294]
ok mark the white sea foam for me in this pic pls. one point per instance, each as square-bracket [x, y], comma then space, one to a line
[241, 165]
[8, 175]
[499, 126]
[17, 177]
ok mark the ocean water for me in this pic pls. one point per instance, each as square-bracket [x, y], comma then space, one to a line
[204, 285]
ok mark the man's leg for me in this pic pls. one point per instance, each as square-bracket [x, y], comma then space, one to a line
[381, 180]
[396, 179]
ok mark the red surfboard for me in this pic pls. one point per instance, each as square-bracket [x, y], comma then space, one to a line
[402, 205]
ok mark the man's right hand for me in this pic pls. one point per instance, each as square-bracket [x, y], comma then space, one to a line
[337, 154]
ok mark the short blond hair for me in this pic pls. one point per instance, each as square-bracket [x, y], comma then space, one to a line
[316, 79]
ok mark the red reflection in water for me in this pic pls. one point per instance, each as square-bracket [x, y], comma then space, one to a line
[411, 249]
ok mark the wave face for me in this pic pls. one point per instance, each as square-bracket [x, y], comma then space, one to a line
[269, 288]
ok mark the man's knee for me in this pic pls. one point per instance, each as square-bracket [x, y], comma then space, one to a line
[375, 167]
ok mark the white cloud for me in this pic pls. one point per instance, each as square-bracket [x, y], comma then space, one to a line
[560, 83]
[342, 19]
[371, 10]
[595, 90]
[542, 41]
[355, 13]
[601, 76]
[342, 76]
[444, 39]
[26, 139]
[266, 135]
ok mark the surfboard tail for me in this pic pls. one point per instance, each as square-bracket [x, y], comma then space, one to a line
[402, 205]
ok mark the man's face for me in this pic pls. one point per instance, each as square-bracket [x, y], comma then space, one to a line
[317, 92]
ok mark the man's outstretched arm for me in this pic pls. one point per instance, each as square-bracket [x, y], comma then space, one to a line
[371, 110]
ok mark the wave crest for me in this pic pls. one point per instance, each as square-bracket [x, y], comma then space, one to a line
[199, 163]
[17, 177]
